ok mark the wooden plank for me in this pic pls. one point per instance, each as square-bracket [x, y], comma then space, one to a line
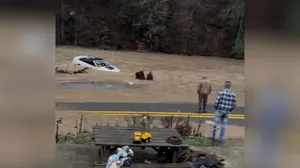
[124, 136]
[129, 141]
[174, 132]
[131, 135]
[142, 130]
[130, 131]
[160, 139]
[111, 132]
[131, 128]
[100, 143]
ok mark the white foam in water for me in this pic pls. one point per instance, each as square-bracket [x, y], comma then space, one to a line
[94, 85]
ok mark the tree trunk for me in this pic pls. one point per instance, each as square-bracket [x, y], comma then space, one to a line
[62, 21]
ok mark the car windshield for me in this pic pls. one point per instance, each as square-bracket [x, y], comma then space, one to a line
[100, 63]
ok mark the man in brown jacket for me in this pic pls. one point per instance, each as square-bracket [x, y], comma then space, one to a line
[204, 89]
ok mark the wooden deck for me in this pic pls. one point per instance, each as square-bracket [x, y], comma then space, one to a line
[121, 136]
[109, 138]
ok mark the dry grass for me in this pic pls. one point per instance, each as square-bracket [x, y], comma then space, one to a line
[184, 71]
[89, 120]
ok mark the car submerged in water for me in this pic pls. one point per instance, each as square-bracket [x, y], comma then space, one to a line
[96, 63]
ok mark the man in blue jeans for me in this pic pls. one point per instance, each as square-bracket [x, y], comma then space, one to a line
[225, 103]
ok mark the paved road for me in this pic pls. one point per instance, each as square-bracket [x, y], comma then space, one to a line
[149, 107]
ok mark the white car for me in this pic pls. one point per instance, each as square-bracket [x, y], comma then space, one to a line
[96, 63]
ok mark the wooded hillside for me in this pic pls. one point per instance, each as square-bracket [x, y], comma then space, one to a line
[189, 27]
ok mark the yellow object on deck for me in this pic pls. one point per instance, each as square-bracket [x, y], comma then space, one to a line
[146, 137]
[137, 137]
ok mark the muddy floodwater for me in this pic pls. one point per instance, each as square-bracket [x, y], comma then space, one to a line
[96, 85]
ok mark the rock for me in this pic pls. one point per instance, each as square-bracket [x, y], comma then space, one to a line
[140, 75]
[149, 76]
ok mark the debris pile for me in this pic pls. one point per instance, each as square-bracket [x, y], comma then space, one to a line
[205, 160]
[166, 122]
[184, 129]
[81, 71]
[70, 70]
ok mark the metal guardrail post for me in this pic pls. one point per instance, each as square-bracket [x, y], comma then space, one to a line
[80, 124]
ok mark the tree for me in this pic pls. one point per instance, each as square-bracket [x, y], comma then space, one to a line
[147, 19]
[238, 20]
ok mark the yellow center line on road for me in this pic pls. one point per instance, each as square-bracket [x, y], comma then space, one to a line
[161, 114]
[164, 115]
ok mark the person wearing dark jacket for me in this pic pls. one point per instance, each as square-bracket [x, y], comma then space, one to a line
[204, 89]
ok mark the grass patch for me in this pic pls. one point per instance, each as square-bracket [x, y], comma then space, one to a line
[197, 141]
[66, 138]
[82, 138]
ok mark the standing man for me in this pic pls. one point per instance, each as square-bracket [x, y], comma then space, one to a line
[225, 103]
[204, 89]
